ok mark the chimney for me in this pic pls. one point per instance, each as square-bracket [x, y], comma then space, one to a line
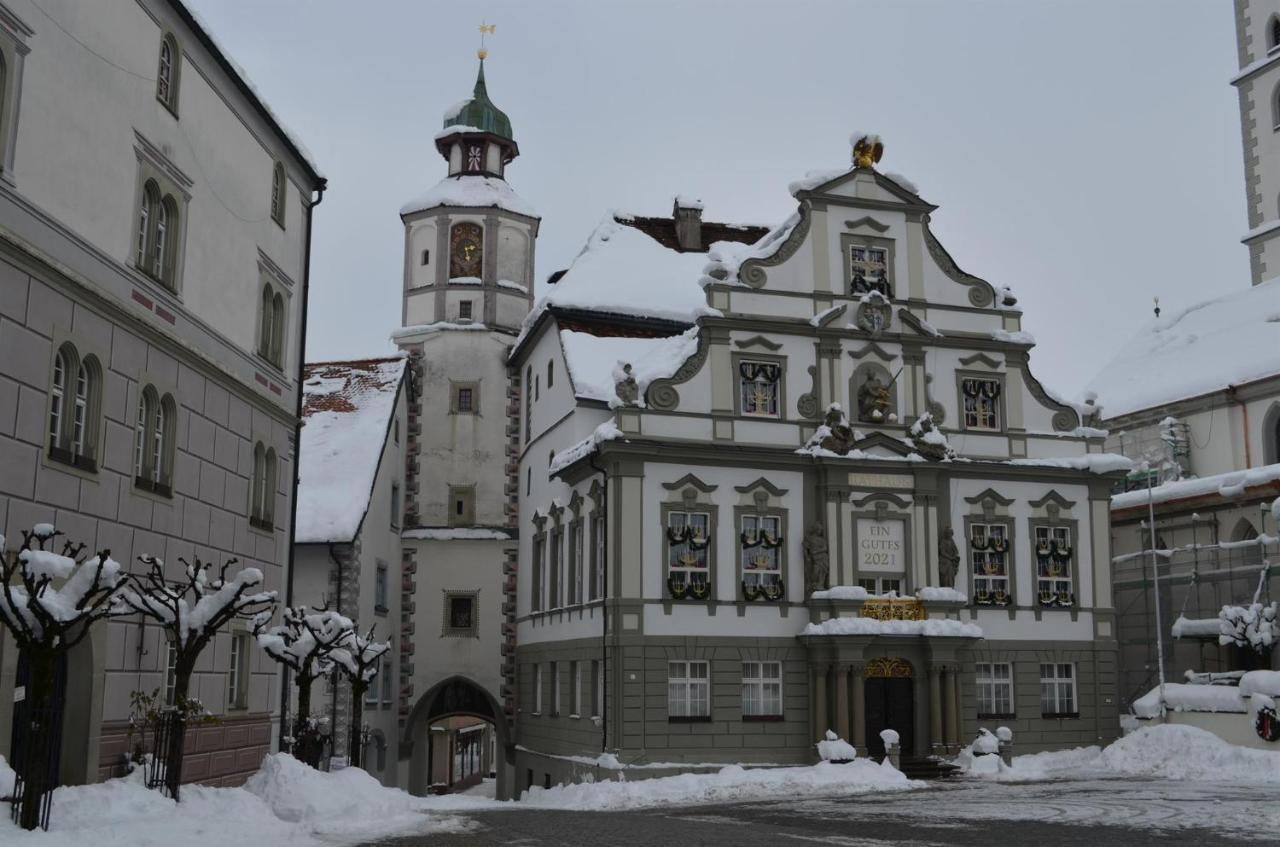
[687, 213]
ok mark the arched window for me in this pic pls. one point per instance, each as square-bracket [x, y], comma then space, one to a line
[1273, 34]
[75, 393]
[269, 492]
[147, 402]
[1271, 435]
[268, 323]
[57, 397]
[167, 73]
[528, 401]
[272, 326]
[277, 330]
[466, 250]
[551, 373]
[150, 200]
[258, 489]
[157, 234]
[277, 193]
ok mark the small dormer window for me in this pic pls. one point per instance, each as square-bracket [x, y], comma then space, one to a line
[869, 270]
[475, 158]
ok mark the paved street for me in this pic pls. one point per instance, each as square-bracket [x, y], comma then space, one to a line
[1096, 813]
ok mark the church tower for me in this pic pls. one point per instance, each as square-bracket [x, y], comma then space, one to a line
[468, 285]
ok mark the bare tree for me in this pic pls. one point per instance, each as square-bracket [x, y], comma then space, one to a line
[359, 660]
[191, 611]
[47, 622]
[304, 642]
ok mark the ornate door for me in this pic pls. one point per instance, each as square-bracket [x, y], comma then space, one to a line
[890, 704]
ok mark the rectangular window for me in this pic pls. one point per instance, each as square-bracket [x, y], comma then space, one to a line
[380, 588]
[395, 505]
[761, 544]
[460, 615]
[597, 688]
[575, 562]
[555, 568]
[575, 680]
[464, 402]
[238, 671]
[981, 403]
[537, 689]
[994, 682]
[688, 691]
[555, 689]
[761, 689]
[882, 585]
[597, 557]
[464, 310]
[426, 257]
[1058, 690]
[535, 575]
[869, 270]
[759, 384]
[688, 562]
[1053, 565]
[989, 557]
[388, 681]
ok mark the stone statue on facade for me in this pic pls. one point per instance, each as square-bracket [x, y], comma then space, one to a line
[625, 386]
[817, 565]
[948, 558]
[874, 400]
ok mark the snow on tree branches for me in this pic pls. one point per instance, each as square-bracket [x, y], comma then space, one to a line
[1253, 626]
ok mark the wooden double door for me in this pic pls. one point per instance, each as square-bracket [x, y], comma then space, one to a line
[890, 704]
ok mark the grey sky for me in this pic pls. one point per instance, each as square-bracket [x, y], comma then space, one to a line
[1085, 153]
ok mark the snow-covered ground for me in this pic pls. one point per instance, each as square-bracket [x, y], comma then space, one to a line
[286, 804]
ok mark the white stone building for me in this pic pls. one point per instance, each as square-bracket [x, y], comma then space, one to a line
[672, 527]
[155, 221]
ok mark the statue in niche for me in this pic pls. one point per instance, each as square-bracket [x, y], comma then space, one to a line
[948, 558]
[816, 560]
[625, 386]
[839, 437]
[875, 401]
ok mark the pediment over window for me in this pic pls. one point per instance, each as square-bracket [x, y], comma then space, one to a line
[1052, 498]
[873, 349]
[689, 480]
[868, 222]
[877, 444]
[757, 341]
[981, 359]
[989, 494]
[881, 497]
[761, 483]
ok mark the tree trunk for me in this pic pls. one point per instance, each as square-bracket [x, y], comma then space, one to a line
[355, 740]
[177, 728]
[41, 735]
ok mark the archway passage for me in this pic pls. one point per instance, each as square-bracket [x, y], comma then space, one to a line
[458, 736]
[889, 704]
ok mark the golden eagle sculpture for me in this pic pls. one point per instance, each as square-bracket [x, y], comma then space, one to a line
[867, 149]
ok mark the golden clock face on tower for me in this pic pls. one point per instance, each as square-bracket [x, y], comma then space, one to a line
[466, 250]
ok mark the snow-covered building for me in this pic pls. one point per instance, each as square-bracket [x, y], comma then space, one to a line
[155, 218]
[1195, 395]
[718, 563]
[347, 541]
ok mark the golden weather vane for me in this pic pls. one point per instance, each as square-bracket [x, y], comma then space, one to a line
[485, 29]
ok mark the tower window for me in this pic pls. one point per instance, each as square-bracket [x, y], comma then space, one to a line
[426, 257]
[462, 505]
[466, 250]
[464, 398]
[277, 193]
[464, 310]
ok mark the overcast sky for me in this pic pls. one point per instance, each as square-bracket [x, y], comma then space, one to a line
[1085, 153]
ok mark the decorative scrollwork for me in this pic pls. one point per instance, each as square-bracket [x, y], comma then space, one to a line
[882, 667]
[661, 393]
[899, 609]
[752, 271]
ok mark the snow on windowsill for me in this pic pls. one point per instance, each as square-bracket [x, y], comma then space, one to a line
[514, 286]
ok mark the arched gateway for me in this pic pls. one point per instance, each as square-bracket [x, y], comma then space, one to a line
[455, 696]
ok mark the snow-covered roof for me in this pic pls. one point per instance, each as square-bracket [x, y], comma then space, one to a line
[595, 361]
[1229, 484]
[470, 190]
[347, 408]
[1229, 340]
[238, 74]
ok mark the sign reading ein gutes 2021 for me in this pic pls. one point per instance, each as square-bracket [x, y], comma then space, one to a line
[881, 545]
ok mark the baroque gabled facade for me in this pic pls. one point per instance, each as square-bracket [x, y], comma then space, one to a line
[718, 563]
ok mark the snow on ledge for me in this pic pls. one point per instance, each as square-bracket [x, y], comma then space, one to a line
[456, 534]
[933, 627]
[936, 593]
[1184, 697]
[470, 191]
[607, 431]
[438, 326]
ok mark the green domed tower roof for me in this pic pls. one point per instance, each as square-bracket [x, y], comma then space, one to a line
[479, 112]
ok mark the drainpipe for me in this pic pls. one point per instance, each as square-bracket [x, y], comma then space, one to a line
[1244, 410]
[297, 444]
[604, 605]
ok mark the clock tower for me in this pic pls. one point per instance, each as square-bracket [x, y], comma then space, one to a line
[468, 285]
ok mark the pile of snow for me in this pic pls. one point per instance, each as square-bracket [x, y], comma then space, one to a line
[890, 737]
[1266, 683]
[841, 592]
[470, 191]
[1185, 627]
[1093, 462]
[731, 784]
[285, 804]
[1019, 337]
[1230, 340]
[594, 361]
[1230, 484]
[1182, 697]
[347, 408]
[607, 431]
[833, 748]
[933, 593]
[725, 258]
[1164, 751]
[8, 779]
[438, 326]
[936, 628]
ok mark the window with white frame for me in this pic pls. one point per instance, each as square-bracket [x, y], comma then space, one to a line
[761, 689]
[759, 385]
[1054, 565]
[555, 688]
[157, 234]
[575, 683]
[75, 398]
[168, 66]
[596, 589]
[238, 671]
[869, 270]
[262, 495]
[153, 442]
[688, 557]
[981, 402]
[1058, 690]
[535, 599]
[760, 541]
[537, 689]
[882, 585]
[278, 185]
[575, 562]
[994, 686]
[989, 558]
[688, 690]
[271, 326]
